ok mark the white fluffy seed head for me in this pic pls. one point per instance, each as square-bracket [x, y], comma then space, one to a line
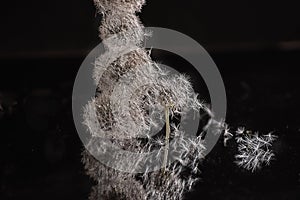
[127, 6]
[133, 93]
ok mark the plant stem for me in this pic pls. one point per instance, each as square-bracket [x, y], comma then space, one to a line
[165, 161]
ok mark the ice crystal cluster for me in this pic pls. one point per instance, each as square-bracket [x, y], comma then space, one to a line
[132, 97]
[253, 150]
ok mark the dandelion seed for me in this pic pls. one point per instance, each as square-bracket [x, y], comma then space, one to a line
[253, 150]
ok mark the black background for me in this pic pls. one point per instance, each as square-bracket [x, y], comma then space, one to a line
[255, 44]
